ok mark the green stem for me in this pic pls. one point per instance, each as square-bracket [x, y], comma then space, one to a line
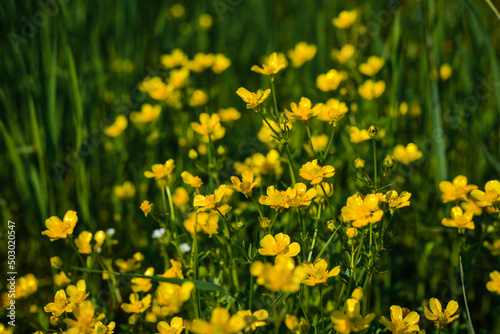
[327, 199]
[290, 164]
[321, 307]
[302, 235]
[164, 200]
[257, 206]
[274, 99]
[269, 125]
[375, 164]
[310, 138]
[196, 266]
[325, 153]
[171, 204]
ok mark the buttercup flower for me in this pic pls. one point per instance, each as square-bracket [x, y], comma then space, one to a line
[396, 201]
[331, 80]
[84, 318]
[246, 184]
[304, 110]
[220, 322]
[193, 181]
[136, 305]
[370, 89]
[58, 229]
[172, 296]
[115, 129]
[344, 54]
[175, 327]
[147, 114]
[494, 247]
[345, 19]
[333, 111]
[209, 125]
[456, 190]
[126, 190]
[77, 293]
[83, 242]
[299, 195]
[60, 305]
[372, 66]
[408, 154]
[26, 286]
[140, 284]
[253, 320]
[200, 62]
[198, 98]
[146, 208]
[276, 199]
[283, 276]
[318, 272]
[494, 284]
[279, 245]
[273, 66]
[357, 135]
[176, 58]
[362, 211]
[401, 323]
[490, 196]
[351, 319]
[459, 219]
[445, 71]
[207, 222]
[61, 279]
[175, 270]
[302, 53]
[253, 100]
[131, 264]
[352, 232]
[229, 114]
[161, 172]
[221, 63]
[441, 318]
[100, 328]
[313, 172]
[210, 202]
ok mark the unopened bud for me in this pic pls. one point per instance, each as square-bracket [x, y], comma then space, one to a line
[358, 163]
[372, 131]
[388, 161]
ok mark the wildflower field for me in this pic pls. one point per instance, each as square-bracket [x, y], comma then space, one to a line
[235, 166]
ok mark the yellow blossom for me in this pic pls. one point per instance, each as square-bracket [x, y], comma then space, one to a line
[180, 197]
[58, 229]
[193, 181]
[352, 232]
[77, 293]
[246, 184]
[304, 110]
[176, 80]
[60, 305]
[260, 164]
[313, 172]
[401, 323]
[445, 71]
[115, 129]
[396, 201]
[456, 190]
[172, 296]
[100, 328]
[99, 238]
[408, 154]
[56, 262]
[266, 135]
[229, 114]
[211, 201]
[146, 207]
[61, 279]
[333, 111]
[471, 206]
[83, 242]
[140, 284]
[359, 163]
[344, 54]
[253, 320]
[370, 89]
[175, 270]
[176, 58]
[282, 276]
[490, 196]
[357, 293]
[345, 19]
[321, 188]
[494, 247]
[161, 172]
[299, 195]
[221, 63]
[209, 125]
[273, 66]
[207, 222]
[494, 284]
[357, 136]
[148, 114]
[372, 65]
[136, 305]
[205, 21]
[351, 319]
[279, 245]
[198, 98]
[302, 53]
[84, 318]
[459, 219]
[318, 142]
[331, 80]
[200, 62]
[131, 264]
[26, 286]
[441, 318]
[318, 272]
[126, 190]
[175, 327]
[253, 100]
[221, 322]
[362, 211]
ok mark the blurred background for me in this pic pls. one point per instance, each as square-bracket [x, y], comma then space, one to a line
[70, 67]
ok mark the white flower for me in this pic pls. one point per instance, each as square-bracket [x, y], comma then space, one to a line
[110, 231]
[158, 233]
[184, 248]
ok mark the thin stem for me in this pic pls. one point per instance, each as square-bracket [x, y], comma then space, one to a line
[269, 125]
[325, 153]
[290, 164]
[171, 203]
[310, 138]
[196, 266]
[326, 197]
[321, 307]
[164, 199]
[274, 98]
[302, 235]
[257, 206]
[375, 164]
[327, 243]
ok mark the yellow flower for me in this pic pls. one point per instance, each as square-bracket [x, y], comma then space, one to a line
[205, 21]
[396, 202]
[253, 100]
[351, 319]
[131, 264]
[221, 63]
[489, 197]
[318, 272]
[494, 284]
[292, 323]
[344, 54]
[279, 245]
[331, 80]
[146, 207]
[200, 62]
[84, 318]
[99, 238]
[180, 197]
[401, 323]
[26, 285]
[221, 322]
[456, 190]
[260, 164]
[445, 71]
[253, 320]
[176, 326]
[136, 305]
[61, 279]
[175, 270]
[198, 98]
[193, 181]
[147, 114]
[246, 184]
[357, 135]
[345, 19]
[357, 293]
[304, 110]
[161, 172]
[362, 211]
[494, 247]
[210, 202]
[459, 219]
[370, 89]
[83, 242]
[352, 232]
[100, 328]
[333, 111]
[140, 284]
[321, 196]
[172, 296]
[471, 206]
[229, 114]
[126, 190]
[273, 66]
[209, 125]
[176, 58]
[58, 229]
[283, 276]
[56, 262]
[313, 172]
[77, 293]
[207, 222]
[176, 80]
[299, 195]
[302, 53]
[276, 199]
[115, 129]
[318, 142]
[359, 163]
[266, 135]
[408, 154]
[60, 305]
[441, 318]
[372, 65]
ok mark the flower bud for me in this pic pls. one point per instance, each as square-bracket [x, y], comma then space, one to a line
[192, 154]
[372, 131]
[358, 163]
[352, 232]
[388, 161]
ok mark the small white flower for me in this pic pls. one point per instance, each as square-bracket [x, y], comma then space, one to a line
[184, 248]
[110, 231]
[158, 233]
